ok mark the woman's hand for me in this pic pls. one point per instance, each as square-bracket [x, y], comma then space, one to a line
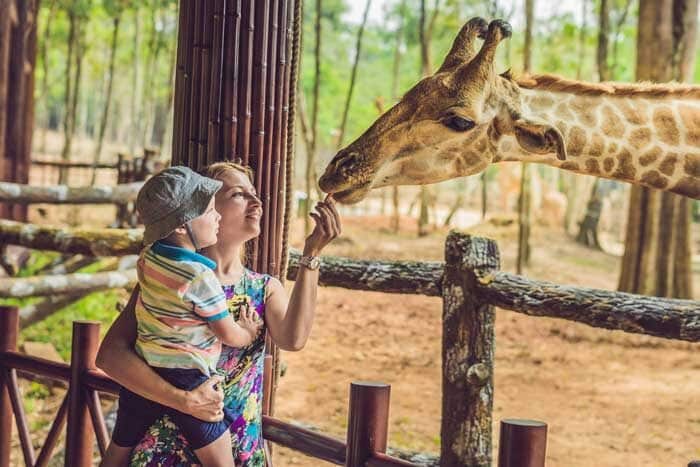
[206, 402]
[326, 229]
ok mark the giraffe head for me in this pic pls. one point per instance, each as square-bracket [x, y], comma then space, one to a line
[446, 126]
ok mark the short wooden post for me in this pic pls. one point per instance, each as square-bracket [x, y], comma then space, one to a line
[368, 421]
[467, 352]
[523, 443]
[267, 384]
[9, 328]
[80, 436]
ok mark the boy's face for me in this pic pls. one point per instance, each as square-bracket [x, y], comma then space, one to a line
[206, 226]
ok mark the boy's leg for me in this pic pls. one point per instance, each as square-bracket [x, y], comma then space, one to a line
[218, 453]
[134, 416]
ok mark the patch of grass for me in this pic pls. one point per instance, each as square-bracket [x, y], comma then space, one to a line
[58, 328]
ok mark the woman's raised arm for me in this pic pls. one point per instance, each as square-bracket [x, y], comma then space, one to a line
[289, 320]
[120, 361]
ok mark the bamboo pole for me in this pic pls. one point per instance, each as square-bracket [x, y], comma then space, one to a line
[232, 38]
[204, 85]
[244, 80]
[215, 85]
[196, 87]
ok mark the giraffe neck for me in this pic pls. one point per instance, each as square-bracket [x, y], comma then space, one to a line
[645, 139]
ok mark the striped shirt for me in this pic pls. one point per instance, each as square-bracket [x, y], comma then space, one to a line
[180, 296]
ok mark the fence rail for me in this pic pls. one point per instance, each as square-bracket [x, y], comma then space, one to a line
[62, 194]
[82, 413]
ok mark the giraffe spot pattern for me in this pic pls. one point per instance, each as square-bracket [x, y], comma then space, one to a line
[563, 111]
[596, 147]
[543, 102]
[612, 124]
[668, 164]
[612, 147]
[576, 142]
[692, 166]
[608, 164]
[625, 169]
[687, 186]
[665, 124]
[650, 156]
[640, 137]
[592, 167]
[690, 117]
[562, 127]
[585, 111]
[654, 179]
[633, 113]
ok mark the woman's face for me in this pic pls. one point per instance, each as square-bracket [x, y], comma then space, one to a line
[239, 206]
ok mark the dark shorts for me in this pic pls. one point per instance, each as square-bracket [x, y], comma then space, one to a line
[136, 414]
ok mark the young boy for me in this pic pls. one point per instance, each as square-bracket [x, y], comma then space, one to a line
[181, 312]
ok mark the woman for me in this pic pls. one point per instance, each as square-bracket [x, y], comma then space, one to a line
[287, 320]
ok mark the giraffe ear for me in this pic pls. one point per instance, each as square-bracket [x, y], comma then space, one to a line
[539, 138]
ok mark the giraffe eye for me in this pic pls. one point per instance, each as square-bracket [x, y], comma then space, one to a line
[457, 123]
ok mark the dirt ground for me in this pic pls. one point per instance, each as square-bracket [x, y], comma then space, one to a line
[609, 398]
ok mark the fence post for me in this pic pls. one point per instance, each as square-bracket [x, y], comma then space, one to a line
[467, 352]
[523, 443]
[80, 436]
[368, 421]
[9, 328]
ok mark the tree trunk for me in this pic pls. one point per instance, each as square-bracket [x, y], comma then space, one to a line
[588, 232]
[656, 259]
[603, 34]
[353, 75]
[44, 93]
[108, 97]
[524, 200]
[582, 38]
[27, 194]
[396, 215]
[68, 115]
[135, 98]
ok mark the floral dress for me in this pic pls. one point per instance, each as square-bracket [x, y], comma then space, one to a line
[242, 368]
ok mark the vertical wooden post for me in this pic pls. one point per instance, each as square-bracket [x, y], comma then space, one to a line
[9, 328]
[368, 421]
[523, 443]
[467, 352]
[80, 436]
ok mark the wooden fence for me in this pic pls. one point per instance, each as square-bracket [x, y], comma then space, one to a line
[471, 285]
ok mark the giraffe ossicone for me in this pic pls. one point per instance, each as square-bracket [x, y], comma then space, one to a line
[466, 116]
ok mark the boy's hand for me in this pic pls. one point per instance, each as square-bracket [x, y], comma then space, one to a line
[249, 321]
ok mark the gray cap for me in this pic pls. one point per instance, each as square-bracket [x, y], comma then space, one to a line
[172, 198]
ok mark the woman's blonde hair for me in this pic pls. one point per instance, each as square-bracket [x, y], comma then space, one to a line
[218, 169]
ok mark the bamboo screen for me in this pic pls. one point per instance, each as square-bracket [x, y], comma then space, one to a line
[233, 99]
[17, 59]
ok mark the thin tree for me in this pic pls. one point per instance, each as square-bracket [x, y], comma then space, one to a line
[353, 74]
[43, 96]
[395, 215]
[588, 227]
[657, 246]
[425, 33]
[115, 10]
[524, 200]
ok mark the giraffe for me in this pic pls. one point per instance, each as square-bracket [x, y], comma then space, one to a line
[466, 116]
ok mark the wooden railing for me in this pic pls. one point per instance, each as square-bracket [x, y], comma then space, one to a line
[81, 412]
[471, 285]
